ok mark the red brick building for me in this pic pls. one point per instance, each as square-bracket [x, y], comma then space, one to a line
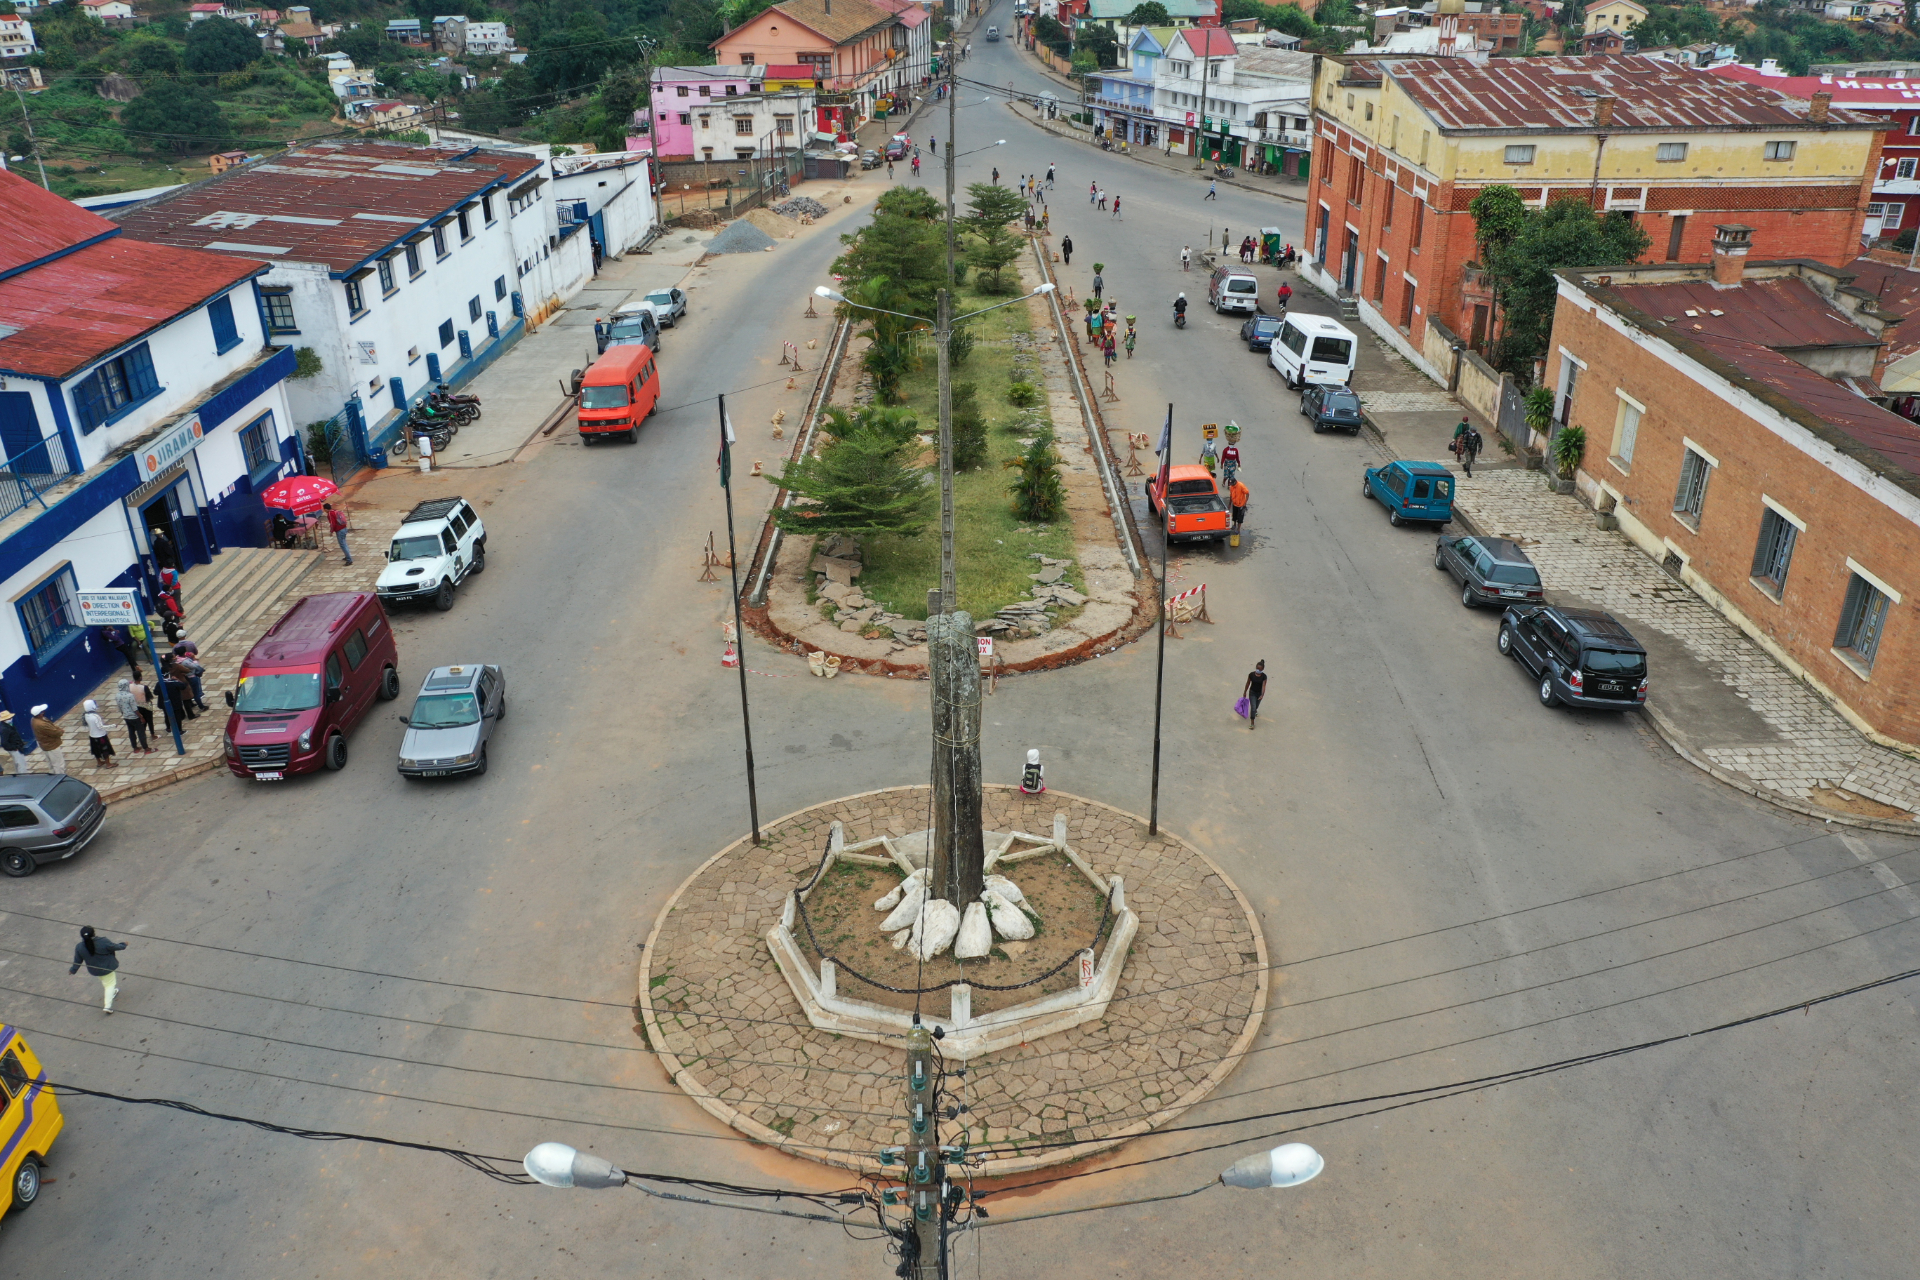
[1730, 431]
[1403, 147]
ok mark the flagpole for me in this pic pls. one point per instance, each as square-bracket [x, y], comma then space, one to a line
[1160, 667]
[739, 628]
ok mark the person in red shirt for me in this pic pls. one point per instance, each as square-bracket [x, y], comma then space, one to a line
[337, 523]
[1285, 295]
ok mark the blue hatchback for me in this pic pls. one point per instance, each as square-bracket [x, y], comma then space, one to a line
[1411, 491]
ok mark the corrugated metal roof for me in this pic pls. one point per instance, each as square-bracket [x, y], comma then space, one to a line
[70, 311]
[1780, 314]
[1208, 42]
[1898, 290]
[337, 204]
[1559, 93]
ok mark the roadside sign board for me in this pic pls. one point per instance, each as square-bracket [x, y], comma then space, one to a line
[108, 609]
[986, 646]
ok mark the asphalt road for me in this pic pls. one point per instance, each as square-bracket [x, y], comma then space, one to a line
[1454, 883]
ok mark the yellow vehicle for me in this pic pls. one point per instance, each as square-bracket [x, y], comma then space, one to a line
[28, 1125]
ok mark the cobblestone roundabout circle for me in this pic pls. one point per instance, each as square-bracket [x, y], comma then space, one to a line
[723, 1020]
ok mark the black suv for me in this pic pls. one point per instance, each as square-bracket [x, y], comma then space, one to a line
[1332, 408]
[1582, 657]
[1490, 570]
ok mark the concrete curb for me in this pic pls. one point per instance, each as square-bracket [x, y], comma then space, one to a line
[732, 1118]
[151, 785]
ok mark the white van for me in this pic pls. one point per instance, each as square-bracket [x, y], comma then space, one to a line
[1314, 349]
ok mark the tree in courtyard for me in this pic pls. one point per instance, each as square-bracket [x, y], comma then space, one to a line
[1565, 234]
[888, 311]
[171, 116]
[1151, 13]
[860, 484]
[992, 208]
[219, 44]
[909, 202]
[1099, 41]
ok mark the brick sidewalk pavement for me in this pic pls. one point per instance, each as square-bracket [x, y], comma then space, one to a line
[134, 775]
[1781, 740]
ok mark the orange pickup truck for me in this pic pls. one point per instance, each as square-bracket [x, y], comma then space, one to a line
[1198, 511]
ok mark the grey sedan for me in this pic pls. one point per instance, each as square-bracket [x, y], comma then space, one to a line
[1490, 571]
[453, 717]
[668, 304]
[45, 817]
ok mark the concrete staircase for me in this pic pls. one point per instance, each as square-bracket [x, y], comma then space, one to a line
[230, 597]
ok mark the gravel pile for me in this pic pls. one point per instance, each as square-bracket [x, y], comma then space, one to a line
[801, 205]
[740, 237]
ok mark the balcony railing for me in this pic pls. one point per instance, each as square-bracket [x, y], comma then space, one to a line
[26, 476]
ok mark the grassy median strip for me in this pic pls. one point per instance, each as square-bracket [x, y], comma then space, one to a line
[993, 550]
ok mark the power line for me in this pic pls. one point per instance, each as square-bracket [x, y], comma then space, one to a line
[1455, 1089]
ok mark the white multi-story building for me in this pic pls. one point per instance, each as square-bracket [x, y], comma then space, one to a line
[401, 266]
[16, 37]
[1248, 104]
[488, 38]
[350, 84]
[139, 397]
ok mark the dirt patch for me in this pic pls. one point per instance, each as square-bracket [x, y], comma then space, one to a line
[1064, 905]
[1857, 806]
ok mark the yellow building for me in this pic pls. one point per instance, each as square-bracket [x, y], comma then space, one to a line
[1614, 15]
[1402, 147]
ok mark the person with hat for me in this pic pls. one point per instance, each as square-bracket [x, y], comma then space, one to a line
[97, 740]
[96, 953]
[12, 743]
[51, 738]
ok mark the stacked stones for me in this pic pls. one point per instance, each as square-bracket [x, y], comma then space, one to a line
[1051, 592]
[836, 565]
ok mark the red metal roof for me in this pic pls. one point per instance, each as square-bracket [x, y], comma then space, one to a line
[334, 203]
[1781, 314]
[1560, 93]
[1897, 289]
[69, 311]
[1208, 42]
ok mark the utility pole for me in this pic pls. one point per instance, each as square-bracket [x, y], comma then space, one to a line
[33, 143]
[925, 1172]
[1200, 152]
[958, 854]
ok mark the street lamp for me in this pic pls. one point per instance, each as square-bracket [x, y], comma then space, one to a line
[1284, 1166]
[555, 1164]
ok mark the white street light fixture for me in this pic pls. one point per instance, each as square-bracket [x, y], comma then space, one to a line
[555, 1164]
[823, 292]
[1284, 1166]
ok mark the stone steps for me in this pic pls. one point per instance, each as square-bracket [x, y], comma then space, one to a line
[225, 597]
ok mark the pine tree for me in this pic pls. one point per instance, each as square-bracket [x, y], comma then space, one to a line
[861, 485]
[969, 429]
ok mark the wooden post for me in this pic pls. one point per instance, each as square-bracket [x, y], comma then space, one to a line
[959, 854]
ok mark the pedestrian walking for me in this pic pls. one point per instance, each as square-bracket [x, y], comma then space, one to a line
[97, 740]
[1255, 690]
[337, 523]
[889, 171]
[12, 743]
[1103, 201]
[121, 642]
[916, 164]
[51, 738]
[123, 701]
[1230, 460]
[1099, 286]
[1283, 295]
[1109, 349]
[1186, 257]
[1213, 191]
[1466, 444]
[1209, 456]
[162, 545]
[1093, 193]
[933, 145]
[97, 953]
[1116, 207]
[1129, 337]
[996, 175]
[1066, 251]
[1237, 496]
[1049, 177]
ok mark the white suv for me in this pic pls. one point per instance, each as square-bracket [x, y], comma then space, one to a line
[436, 548]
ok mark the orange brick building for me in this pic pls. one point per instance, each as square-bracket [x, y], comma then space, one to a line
[1729, 431]
[1403, 147]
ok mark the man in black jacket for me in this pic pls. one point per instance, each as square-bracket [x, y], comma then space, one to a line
[97, 954]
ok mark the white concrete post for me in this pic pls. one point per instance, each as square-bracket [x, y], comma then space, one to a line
[1060, 831]
[960, 1007]
[828, 979]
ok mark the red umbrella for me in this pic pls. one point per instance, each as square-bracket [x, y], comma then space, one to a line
[298, 494]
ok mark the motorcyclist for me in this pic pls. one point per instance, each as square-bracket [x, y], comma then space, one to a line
[1180, 308]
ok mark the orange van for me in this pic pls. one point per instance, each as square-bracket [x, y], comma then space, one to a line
[307, 682]
[619, 393]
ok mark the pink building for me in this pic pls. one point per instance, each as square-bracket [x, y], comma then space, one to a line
[682, 95]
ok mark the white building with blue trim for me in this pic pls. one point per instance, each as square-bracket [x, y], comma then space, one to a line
[142, 409]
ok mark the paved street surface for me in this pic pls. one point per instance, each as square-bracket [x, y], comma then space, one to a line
[1454, 883]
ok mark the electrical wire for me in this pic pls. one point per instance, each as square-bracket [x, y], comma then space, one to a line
[1456, 1089]
[1578, 1013]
